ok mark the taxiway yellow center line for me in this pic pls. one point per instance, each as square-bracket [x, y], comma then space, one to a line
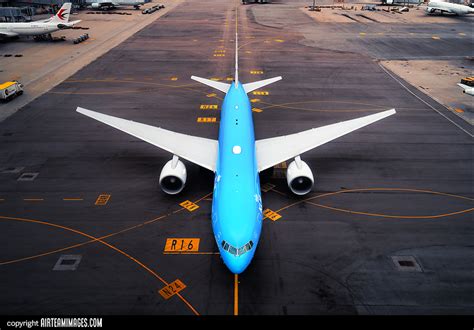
[106, 244]
[97, 239]
[73, 199]
[392, 216]
[307, 200]
[33, 199]
[236, 294]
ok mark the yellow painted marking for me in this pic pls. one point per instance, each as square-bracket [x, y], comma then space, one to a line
[195, 40]
[221, 40]
[211, 95]
[272, 215]
[257, 110]
[362, 33]
[267, 187]
[171, 289]
[206, 119]
[229, 78]
[190, 206]
[194, 253]
[182, 245]
[256, 72]
[208, 107]
[266, 41]
[174, 78]
[72, 199]
[255, 100]
[219, 51]
[435, 38]
[380, 33]
[219, 55]
[461, 34]
[102, 199]
[100, 240]
[458, 110]
[279, 40]
[248, 52]
[236, 294]
[33, 199]
[260, 93]
[216, 79]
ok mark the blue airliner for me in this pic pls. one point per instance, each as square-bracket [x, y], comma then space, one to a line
[236, 159]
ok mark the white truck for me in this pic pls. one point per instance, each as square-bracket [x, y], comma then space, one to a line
[10, 89]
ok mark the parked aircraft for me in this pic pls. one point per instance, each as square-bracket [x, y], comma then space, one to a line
[39, 28]
[108, 4]
[469, 90]
[447, 7]
[236, 159]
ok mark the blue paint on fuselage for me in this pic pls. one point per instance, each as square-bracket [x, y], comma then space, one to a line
[237, 203]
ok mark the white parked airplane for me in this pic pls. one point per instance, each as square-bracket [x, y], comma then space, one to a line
[447, 7]
[101, 4]
[38, 28]
[469, 90]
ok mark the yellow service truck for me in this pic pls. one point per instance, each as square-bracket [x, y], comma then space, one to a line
[9, 90]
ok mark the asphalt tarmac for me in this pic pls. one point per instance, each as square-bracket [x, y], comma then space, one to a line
[387, 229]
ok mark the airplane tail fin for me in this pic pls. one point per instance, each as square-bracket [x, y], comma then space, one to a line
[62, 16]
[249, 87]
[223, 87]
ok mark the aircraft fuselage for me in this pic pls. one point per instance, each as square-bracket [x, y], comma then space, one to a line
[237, 202]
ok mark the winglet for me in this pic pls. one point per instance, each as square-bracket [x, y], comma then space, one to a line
[259, 84]
[223, 87]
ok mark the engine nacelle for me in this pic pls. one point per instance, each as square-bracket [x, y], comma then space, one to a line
[95, 5]
[173, 176]
[430, 10]
[299, 177]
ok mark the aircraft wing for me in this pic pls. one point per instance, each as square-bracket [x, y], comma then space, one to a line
[275, 150]
[8, 34]
[74, 22]
[200, 151]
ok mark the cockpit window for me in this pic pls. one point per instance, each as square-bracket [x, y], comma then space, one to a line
[237, 251]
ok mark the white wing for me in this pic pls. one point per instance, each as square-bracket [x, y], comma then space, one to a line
[200, 151]
[249, 87]
[278, 149]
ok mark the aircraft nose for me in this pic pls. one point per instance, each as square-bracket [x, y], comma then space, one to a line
[236, 264]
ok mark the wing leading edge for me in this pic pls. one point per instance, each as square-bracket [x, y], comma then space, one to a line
[275, 150]
[200, 151]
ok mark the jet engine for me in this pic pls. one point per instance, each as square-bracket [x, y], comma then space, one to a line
[95, 5]
[430, 10]
[173, 176]
[299, 177]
